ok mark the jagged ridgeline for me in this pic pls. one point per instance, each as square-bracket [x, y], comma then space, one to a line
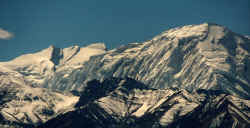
[190, 76]
[206, 56]
[127, 103]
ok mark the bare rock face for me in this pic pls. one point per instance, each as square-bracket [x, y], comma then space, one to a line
[132, 104]
[205, 56]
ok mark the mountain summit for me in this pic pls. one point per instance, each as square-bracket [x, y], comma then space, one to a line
[195, 73]
[37, 67]
[207, 56]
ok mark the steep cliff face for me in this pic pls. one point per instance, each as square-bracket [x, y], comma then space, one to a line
[129, 103]
[207, 56]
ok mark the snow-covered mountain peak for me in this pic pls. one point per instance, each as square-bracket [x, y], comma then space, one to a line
[184, 32]
[36, 67]
[199, 31]
[76, 55]
[207, 56]
[197, 72]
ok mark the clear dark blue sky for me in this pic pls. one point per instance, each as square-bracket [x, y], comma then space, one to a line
[36, 24]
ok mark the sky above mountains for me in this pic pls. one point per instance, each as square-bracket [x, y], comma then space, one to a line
[31, 25]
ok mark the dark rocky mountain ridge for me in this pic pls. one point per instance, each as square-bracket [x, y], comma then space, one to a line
[132, 104]
[190, 76]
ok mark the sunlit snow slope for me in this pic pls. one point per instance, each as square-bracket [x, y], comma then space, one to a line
[21, 103]
[37, 67]
[207, 56]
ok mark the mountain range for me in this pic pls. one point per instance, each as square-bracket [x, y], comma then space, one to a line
[126, 103]
[193, 76]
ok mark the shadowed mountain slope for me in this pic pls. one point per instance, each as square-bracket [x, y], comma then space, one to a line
[131, 104]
